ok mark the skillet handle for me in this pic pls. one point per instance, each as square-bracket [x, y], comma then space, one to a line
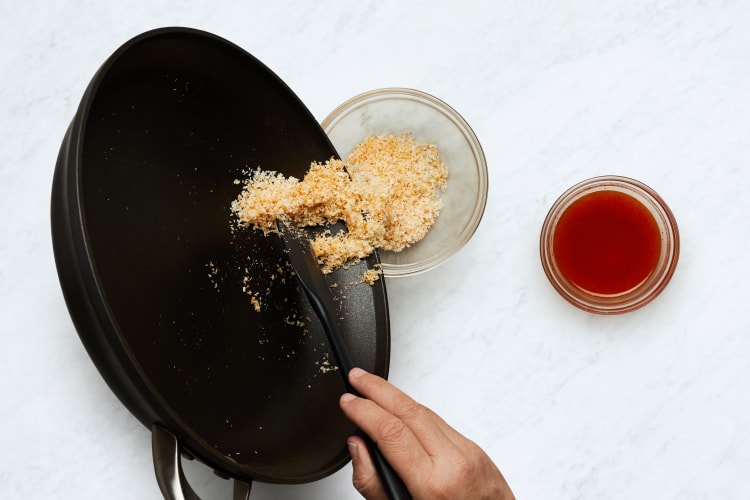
[168, 468]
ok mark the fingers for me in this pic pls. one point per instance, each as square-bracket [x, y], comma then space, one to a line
[392, 436]
[365, 476]
[429, 429]
[432, 459]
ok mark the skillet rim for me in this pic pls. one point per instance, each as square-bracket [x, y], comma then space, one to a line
[86, 299]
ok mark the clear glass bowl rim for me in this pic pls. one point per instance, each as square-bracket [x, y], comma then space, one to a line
[480, 201]
[652, 286]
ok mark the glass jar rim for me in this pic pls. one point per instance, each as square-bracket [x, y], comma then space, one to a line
[647, 290]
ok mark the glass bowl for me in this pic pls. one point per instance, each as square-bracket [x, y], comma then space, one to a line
[615, 270]
[396, 110]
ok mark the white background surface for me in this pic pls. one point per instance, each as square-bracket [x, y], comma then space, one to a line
[653, 404]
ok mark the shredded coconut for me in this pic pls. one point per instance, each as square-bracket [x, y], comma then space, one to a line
[386, 192]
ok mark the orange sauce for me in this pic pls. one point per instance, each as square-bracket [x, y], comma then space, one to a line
[606, 243]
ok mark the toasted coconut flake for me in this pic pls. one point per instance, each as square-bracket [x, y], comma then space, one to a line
[386, 192]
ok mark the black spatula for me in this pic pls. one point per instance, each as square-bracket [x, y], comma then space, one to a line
[313, 282]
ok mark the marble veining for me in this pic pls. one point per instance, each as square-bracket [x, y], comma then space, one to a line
[652, 404]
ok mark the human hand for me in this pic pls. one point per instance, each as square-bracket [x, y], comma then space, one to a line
[433, 460]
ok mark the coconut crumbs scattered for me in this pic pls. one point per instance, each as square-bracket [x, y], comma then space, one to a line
[386, 192]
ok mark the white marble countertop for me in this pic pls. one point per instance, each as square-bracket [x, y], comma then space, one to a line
[652, 404]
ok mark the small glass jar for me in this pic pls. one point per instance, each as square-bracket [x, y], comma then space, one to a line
[609, 245]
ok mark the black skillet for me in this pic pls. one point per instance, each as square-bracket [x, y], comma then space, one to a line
[153, 271]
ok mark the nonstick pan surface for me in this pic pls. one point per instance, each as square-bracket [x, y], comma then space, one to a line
[160, 284]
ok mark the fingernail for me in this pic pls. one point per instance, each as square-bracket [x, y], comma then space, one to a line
[357, 372]
[353, 450]
[346, 397]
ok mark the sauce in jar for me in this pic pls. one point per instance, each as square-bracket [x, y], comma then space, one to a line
[609, 245]
[606, 243]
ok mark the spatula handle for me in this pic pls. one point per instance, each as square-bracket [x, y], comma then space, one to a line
[392, 484]
[314, 284]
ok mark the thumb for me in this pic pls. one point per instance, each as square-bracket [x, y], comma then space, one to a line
[365, 476]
